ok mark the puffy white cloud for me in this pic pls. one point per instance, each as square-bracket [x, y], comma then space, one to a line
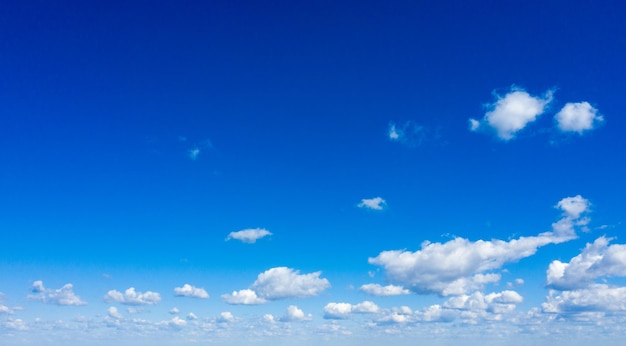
[596, 260]
[5, 309]
[177, 322]
[15, 324]
[283, 282]
[573, 210]
[500, 302]
[389, 290]
[62, 296]
[191, 291]
[226, 317]
[577, 117]
[460, 265]
[343, 310]
[191, 316]
[131, 297]
[244, 297]
[596, 297]
[512, 112]
[174, 311]
[113, 313]
[249, 235]
[295, 314]
[376, 203]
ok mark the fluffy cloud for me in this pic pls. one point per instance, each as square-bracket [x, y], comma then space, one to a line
[174, 311]
[226, 317]
[389, 290]
[596, 260]
[376, 203]
[501, 302]
[279, 283]
[596, 297]
[249, 235]
[343, 310]
[113, 313]
[578, 117]
[293, 313]
[244, 297]
[62, 296]
[131, 297]
[460, 265]
[512, 112]
[5, 309]
[190, 291]
[573, 209]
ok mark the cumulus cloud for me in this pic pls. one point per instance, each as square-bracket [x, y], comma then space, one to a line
[279, 283]
[62, 296]
[226, 317]
[113, 313]
[500, 302]
[5, 309]
[512, 112]
[177, 323]
[597, 260]
[376, 203]
[596, 297]
[293, 314]
[243, 297]
[131, 297]
[249, 235]
[389, 290]
[573, 209]
[578, 117]
[191, 291]
[344, 310]
[174, 311]
[460, 265]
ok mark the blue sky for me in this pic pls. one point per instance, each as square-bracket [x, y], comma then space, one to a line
[291, 173]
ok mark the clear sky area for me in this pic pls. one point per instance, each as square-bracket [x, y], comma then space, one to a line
[312, 172]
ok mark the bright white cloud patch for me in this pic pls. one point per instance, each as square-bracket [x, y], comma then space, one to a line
[113, 313]
[344, 310]
[279, 283]
[226, 317]
[578, 117]
[501, 302]
[131, 297]
[389, 290]
[188, 290]
[376, 203]
[243, 297]
[460, 265]
[249, 235]
[62, 296]
[596, 297]
[595, 261]
[295, 314]
[512, 112]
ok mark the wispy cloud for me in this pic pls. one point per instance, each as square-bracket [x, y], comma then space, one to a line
[578, 117]
[249, 235]
[62, 296]
[511, 113]
[376, 203]
[132, 297]
[188, 290]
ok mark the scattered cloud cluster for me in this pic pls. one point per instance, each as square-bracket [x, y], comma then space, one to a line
[279, 283]
[460, 265]
[62, 296]
[511, 113]
[344, 310]
[249, 236]
[132, 297]
[376, 203]
[188, 290]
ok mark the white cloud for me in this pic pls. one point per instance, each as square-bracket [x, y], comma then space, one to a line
[113, 313]
[393, 132]
[244, 297]
[501, 302]
[460, 265]
[249, 235]
[62, 296]
[410, 133]
[194, 153]
[177, 322]
[389, 290]
[131, 297]
[596, 297]
[190, 291]
[344, 310]
[226, 317]
[578, 117]
[283, 282]
[5, 309]
[512, 112]
[376, 203]
[293, 313]
[15, 324]
[174, 311]
[191, 316]
[595, 261]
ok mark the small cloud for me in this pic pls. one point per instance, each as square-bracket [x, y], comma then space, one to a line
[295, 314]
[578, 117]
[344, 310]
[191, 316]
[376, 203]
[409, 133]
[226, 317]
[249, 236]
[174, 311]
[113, 313]
[191, 291]
[243, 297]
[62, 296]
[389, 290]
[512, 112]
[193, 153]
[131, 297]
